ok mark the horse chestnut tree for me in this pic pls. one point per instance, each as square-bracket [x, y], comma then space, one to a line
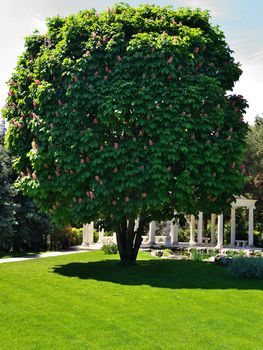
[125, 114]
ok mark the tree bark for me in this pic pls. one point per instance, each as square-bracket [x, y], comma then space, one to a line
[128, 240]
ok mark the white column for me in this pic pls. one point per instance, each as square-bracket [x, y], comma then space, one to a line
[233, 226]
[101, 235]
[174, 234]
[152, 229]
[220, 231]
[250, 226]
[91, 232]
[192, 230]
[200, 228]
[167, 234]
[136, 226]
[85, 234]
[88, 233]
[114, 238]
[213, 229]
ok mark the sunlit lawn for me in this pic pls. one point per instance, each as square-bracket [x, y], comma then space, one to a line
[89, 301]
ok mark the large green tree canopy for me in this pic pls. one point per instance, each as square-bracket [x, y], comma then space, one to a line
[126, 113]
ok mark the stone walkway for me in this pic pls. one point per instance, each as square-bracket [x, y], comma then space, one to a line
[73, 250]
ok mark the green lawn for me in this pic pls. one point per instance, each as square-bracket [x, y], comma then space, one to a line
[89, 301]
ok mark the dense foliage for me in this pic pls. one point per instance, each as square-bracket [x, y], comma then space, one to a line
[22, 226]
[254, 165]
[125, 113]
[7, 193]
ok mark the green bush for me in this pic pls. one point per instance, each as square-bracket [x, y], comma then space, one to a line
[246, 267]
[62, 238]
[197, 255]
[110, 248]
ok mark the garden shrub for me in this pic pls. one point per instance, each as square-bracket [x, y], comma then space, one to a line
[110, 248]
[246, 267]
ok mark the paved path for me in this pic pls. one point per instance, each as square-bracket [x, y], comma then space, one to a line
[75, 250]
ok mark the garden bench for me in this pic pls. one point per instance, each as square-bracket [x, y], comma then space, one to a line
[205, 240]
[241, 243]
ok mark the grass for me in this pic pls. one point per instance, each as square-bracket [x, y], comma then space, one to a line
[89, 301]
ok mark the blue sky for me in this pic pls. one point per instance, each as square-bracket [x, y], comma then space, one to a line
[240, 20]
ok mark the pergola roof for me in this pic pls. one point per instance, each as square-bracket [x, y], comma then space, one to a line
[241, 201]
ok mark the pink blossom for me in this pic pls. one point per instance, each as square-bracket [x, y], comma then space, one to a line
[119, 58]
[82, 161]
[97, 178]
[51, 125]
[175, 39]
[38, 82]
[34, 176]
[142, 167]
[169, 168]
[150, 143]
[105, 77]
[95, 121]
[140, 133]
[127, 199]
[116, 146]
[94, 35]
[196, 50]
[170, 60]
[80, 200]
[57, 114]
[114, 202]
[144, 195]
[34, 103]
[22, 174]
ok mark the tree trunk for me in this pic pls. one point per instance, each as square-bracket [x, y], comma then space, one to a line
[128, 240]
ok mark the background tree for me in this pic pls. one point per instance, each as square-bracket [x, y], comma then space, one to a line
[124, 113]
[254, 166]
[7, 193]
[22, 227]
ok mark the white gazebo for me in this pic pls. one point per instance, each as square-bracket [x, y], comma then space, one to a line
[170, 239]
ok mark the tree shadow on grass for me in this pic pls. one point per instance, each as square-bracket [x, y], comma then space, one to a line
[158, 273]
